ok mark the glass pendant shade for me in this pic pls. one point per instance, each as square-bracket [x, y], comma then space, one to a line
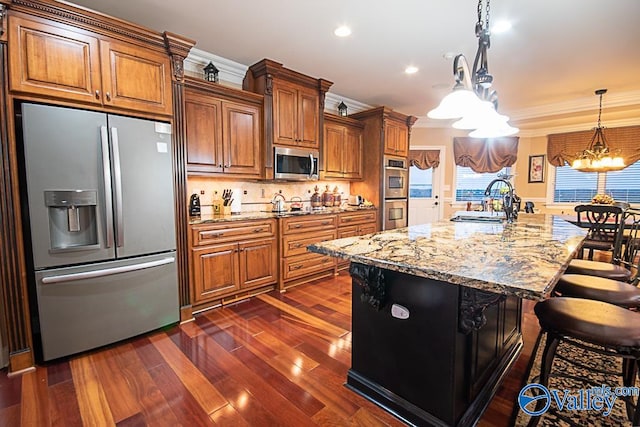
[494, 130]
[455, 105]
[480, 117]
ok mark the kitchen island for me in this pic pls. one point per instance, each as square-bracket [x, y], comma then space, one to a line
[436, 309]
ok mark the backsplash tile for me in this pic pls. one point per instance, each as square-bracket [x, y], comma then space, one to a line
[259, 194]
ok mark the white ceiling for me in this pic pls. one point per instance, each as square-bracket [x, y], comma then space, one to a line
[557, 53]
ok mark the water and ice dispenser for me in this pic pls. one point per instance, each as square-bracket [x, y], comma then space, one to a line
[72, 219]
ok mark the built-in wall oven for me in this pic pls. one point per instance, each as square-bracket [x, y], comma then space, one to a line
[394, 213]
[395, 192]
[396, 178]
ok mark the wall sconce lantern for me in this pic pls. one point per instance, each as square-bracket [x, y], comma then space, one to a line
[211, 73]
[342, 109]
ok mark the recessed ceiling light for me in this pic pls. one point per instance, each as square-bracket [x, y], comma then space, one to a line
[411, 69]
[342, 31]
[501, 27]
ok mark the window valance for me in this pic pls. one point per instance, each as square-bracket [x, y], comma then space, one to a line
[563, 148]
[485, 155]
[424, 159]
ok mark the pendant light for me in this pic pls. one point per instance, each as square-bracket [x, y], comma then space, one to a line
[472, 100]
[597, 157]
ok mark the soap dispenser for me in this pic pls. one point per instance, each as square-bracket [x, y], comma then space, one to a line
[194, 205]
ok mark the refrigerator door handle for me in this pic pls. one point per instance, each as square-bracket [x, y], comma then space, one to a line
[106, 170]
[105, 272]
[118, 187]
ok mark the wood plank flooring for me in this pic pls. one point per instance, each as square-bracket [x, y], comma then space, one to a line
[275, 360]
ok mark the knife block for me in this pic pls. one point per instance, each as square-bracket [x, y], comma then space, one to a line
[226, 210]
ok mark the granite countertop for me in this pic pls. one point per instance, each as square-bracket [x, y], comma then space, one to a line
[524, 258]
[245, 216]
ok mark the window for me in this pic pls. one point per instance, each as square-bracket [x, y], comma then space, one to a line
[624, 185]
[574, 186]
[420, 182]
[470, 185]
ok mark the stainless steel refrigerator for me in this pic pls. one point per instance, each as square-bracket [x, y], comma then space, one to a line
[101, 221]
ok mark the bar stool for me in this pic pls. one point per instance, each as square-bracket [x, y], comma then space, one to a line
[594, 326]
[623, 292]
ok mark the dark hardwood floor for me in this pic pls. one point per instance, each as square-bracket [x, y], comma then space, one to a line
[277, 359]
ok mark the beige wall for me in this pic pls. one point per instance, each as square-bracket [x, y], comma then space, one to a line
[533, 141]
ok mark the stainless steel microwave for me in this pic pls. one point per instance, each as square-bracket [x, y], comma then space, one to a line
[295, 164]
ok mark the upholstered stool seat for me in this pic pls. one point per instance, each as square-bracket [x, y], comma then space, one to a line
[594, 326]
[599, 269]
[599, 288]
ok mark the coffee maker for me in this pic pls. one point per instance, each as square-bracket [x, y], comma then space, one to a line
[194, 205]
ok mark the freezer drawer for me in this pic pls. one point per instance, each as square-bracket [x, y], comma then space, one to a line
[85, 307]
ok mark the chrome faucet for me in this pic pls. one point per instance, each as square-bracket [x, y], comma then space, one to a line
[510, 201]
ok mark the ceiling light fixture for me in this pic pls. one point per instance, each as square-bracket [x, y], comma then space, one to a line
[472, 99]
[342, 31]
[597, 157]
[411, 69]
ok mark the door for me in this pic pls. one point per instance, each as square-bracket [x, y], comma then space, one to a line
[203, 117]
[89, 306]
[143, 186]
[425, 202]
[64, 153]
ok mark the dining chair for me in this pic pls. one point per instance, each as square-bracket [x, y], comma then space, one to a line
[603, 223]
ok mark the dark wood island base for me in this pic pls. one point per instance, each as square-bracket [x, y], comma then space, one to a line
[443, 363]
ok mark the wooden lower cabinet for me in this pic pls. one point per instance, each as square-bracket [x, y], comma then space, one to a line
[231, 259]
[351, 224]
[297, 264]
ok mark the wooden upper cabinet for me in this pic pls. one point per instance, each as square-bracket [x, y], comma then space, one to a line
[396, 138]
[241, 138]
[135, 78]
[203, 119]
[296, 115]
[342, 147]
[223, 133]
[59, 61]
[53, 61]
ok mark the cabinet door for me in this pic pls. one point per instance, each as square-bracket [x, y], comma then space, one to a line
[352, 153]
[53, 61]
[334, 136]
[258, 262]
[396, 139]
[284, 114]
[241, 139]
[135, 78]
[203, 133]
[308, 118]
[215, 271]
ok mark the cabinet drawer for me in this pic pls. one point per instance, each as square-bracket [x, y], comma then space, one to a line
[367, 229]
[303, 265]
[205, 234]
[350, 218]
[309, 222]
[297, 244]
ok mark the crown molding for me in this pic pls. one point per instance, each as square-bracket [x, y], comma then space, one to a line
[229, 71]
[332, 100]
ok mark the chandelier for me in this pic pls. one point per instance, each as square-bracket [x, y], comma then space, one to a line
[597, 157]
[472, 100]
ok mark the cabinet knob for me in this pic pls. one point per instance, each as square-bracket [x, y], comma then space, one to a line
[257, 230]
[220, 165]
[227, 166]
[296, 267]
[108, 96]
[97, 94]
